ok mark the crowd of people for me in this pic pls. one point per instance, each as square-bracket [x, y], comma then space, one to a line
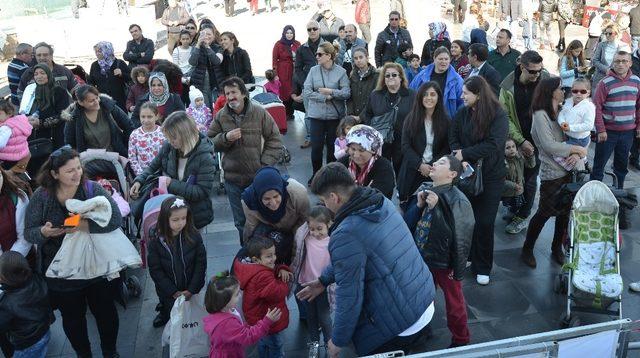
[448, 136]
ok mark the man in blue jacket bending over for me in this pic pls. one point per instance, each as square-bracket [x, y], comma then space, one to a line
[384, 298]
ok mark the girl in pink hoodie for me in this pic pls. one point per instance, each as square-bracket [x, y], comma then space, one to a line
[14, 131]
[229, 335]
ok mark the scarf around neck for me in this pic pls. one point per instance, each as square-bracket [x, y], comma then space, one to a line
[161, 99]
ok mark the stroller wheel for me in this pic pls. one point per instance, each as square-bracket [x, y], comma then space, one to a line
[133, 286]
[560, 284]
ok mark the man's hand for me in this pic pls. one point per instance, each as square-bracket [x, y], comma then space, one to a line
[422, 199]
[176, 295]
[527, 148]
[34, 121]
[579, 150]
[285, 275]
[233, 135]
[117, 72]
[310, 291]
[602, 137]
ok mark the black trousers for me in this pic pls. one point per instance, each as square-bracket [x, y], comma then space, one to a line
[323, 134]
[485, 208]
[530, 188]
[635, 150]
[405, 344]
[73, 307]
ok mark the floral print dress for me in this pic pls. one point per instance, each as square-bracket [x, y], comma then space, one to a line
[143, 147]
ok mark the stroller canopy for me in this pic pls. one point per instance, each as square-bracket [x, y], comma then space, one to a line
[595, 196]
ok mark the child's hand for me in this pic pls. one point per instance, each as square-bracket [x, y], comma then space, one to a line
[274, 314]
[565, 126]
[431, 199]
[285, 275]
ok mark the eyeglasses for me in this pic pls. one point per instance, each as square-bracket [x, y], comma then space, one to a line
[533, 72]
[56, 153]
[608, 33]
[320, 54]
[312, 29]
[617, 62]
[583, 91]
[394, 19]
[391, 75]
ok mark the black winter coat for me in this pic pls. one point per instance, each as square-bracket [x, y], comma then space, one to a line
[205, 60]
[110, 84]
[430, 47]
[361, 88]
[492, 76]
[238, 64]
[305, 59]
[173, 104]
[386, 49]
[380, 176]
[119, 123]
[51, 122]
[25, 312]
[635, 67]
[197, 182]
[179, 266]
[133, 53]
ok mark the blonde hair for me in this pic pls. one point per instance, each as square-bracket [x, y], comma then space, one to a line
[331, 49]
[403, 78]
[180, 125]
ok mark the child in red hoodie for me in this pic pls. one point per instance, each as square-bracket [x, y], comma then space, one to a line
[228, 334]
[264, 286]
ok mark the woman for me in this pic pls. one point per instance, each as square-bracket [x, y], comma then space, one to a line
[95, 121]
[327, 89]
[206, 59]
[479, 132]
[392, 91]
[424, 139]
[362, 81]
[186, 163]
[236, 60]
[159, 95]
[365, 160]
[13, 209]
[565, 17]
[174, 75]
[274, 202]
[439, 36]
[549, 139]
[572, 65]
[446, 77]
[109, 74]
[61, 179]
[282, 63]
[459, 56]
[602, 58]
[49, 101]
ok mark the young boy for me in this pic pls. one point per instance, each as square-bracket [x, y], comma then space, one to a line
[442, 222]
[264, 285]
[413, 67]
[512, 197]
[405, 50]
[577, 117]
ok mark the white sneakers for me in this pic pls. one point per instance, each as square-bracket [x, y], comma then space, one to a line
[635, 286]
[484, 280]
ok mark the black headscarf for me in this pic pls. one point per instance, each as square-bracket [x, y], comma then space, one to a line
[43, 99]
[267, 178]
[284, 40]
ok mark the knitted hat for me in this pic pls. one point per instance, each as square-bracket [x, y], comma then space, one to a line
[194, 94]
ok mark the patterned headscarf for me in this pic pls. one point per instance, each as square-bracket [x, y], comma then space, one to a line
[107, 56]
[439, 30]
[162, 99]
[371, 140]
[283, 39]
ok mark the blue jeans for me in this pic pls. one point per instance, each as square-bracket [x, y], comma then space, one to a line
[271, 346]
[583, 142]
[38, 350]
[619, 143]
[234, 194]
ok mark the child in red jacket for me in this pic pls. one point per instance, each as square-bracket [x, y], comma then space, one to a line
[264, 286]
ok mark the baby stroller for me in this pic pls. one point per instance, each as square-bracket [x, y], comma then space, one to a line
[106, 169]
[592, 280]
[78, 72]
[272, 104]
[150, 215]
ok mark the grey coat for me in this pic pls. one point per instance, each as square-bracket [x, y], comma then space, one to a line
[549, 139]
[601, 64]
[343, 49]
[318, 107]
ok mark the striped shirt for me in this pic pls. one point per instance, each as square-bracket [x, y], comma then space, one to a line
[14, 72]
[617, 101]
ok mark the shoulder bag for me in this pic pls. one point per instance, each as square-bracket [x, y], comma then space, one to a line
[472, 185]
[386, 122]
[333, 104]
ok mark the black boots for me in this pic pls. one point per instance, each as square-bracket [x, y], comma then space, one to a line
[561, 45]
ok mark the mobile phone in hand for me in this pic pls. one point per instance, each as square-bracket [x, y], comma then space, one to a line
[468, 171]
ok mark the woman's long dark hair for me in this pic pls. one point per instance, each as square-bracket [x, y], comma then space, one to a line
[439, 119]
[486, 106]
[164, 230]
[12, 184]
[56, 160]
[543, 97]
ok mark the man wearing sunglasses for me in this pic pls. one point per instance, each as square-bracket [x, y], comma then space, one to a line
[390, 39]
[516, 92]
[617, 101]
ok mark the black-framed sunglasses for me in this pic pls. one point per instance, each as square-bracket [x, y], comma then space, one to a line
[394, 19]
[56, 153]
[391, 75]
[582, 91]
[320, 54]
[533, 72]
[312, 29]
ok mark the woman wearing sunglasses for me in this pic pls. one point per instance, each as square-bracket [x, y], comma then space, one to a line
[602, 58]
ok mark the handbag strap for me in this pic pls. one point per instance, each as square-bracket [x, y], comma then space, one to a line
[331, 100]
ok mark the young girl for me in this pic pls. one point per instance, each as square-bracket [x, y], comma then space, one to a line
[145, 141]
[177, 258]
[198, 110]
[139, 76]
[273, 84]
[572, 66]
[577, 117]
[340, 145]
[14, 131]
[228, 334]
[181, 55]
[312, 242]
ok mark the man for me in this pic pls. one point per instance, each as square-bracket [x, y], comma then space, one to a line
[516, 92]
[363, 19]
[504, 58]
[371, 250]
[249, 138]
[389, 40]
[139, 49]
[229, 8]
[634, 26]
[617, 101]
[350, 42]
[62, 76]
[17, 66]
[329, 23]
[635, 149]
[174, 18]
[477, 55]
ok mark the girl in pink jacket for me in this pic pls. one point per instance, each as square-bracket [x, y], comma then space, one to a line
[228, 334]
[14, 131]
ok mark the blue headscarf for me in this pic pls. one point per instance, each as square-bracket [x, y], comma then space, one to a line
[283, 39]
[479, 36]
[267, 178]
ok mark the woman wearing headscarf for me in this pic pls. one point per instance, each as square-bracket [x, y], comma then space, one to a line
[365, 161]
[439, 37]
[283, 58]
[159, 95]
[478, 36]
[109, 74]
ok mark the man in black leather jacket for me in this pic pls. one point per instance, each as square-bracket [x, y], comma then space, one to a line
[443, 234]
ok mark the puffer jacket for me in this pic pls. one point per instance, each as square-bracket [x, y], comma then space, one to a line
[16, 148]
[205, 60]
[383, 285]
[452, 93]
[318, 107]
[361, 88]
[452, 222]
[119, 123]
[25, 312]
[238, 64]
[260, 145]
[197, 181]
[387, 44]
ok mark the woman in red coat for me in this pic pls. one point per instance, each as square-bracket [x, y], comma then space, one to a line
[284, 52]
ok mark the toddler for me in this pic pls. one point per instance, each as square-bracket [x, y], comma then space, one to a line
[312, 257]
[24, 307]
[198, 110]
[14, 131]
[512, 197]
[181, 55]
[145, 141]
[340, 145]
[413, 67]
[140, 87]
[264, 285]
[228, 334]
[273, 84]
[577, 117]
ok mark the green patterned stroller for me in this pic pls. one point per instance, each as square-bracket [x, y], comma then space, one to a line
[593, 281]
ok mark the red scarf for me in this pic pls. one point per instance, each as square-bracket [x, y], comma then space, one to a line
[362, 175]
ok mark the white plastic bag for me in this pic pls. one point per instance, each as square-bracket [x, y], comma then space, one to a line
[184, 333]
